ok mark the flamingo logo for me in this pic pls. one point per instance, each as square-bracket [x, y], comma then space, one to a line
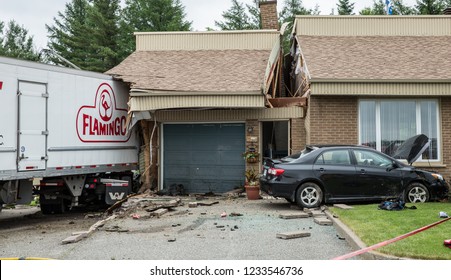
[105, 110]
[103, 121]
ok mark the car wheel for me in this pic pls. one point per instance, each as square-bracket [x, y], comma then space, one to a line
[309, 195]
[417, 192]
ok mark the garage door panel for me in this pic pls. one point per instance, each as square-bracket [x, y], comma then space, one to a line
[231, 128]
[177, 157]
[185, 183]
[231, 158]
[177, 129]
[203, 143]
[224, 184]
[177, 171]
[204, 157]
[174, 141]
[205, 172]
[204, 128]
[211, 152]
[230, 172]
[204, 186]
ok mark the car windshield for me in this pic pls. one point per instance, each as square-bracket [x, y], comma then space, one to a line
[296, 156]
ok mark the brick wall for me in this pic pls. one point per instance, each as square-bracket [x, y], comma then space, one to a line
[332, 120]
[297, 134]
[307, 122]
[268, 10]
[255, 127]
[445, 137]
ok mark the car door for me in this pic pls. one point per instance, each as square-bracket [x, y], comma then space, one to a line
[335, 170]
[375, 176]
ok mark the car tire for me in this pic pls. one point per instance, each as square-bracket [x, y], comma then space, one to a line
[309, 195]
[417, 193]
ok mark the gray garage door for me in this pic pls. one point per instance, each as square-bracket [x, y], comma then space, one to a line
[204, 157]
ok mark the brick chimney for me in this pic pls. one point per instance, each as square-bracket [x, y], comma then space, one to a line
[447, 11]
[268, 11]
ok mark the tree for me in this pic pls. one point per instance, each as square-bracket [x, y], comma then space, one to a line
[401, 9]
[430, 7]
[236, 18]
[103, 35]
[379, 8]
[15, 42]
[150, 15]
[68, 37]
[292, 8]
[345, 8]
[255, 16]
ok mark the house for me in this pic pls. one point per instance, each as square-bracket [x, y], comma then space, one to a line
[376, 81]
[204, 98]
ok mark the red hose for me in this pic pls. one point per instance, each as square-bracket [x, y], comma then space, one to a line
[386, 242]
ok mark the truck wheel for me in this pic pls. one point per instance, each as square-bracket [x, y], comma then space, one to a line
[60, 206]
[46, 209]
[55, 207]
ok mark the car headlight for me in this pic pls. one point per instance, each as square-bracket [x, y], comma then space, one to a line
[437, 176]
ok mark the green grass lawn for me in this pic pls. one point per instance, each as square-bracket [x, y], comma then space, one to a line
[374, 226]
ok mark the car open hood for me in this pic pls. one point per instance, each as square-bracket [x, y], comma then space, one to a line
[412, 148]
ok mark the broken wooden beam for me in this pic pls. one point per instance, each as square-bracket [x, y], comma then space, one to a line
[288, 102]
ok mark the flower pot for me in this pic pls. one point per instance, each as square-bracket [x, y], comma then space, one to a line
[252, 160]
[252, 192]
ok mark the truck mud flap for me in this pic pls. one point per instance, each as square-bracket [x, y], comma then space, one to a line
[116, 190]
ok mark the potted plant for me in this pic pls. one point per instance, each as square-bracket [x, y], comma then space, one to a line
[250, 156]
[251, 184]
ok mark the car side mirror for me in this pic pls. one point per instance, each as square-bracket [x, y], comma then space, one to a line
[394, 165]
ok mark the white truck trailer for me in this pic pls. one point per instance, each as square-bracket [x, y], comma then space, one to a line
[65, 128]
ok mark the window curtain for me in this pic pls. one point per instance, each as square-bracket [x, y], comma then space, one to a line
[385, 124]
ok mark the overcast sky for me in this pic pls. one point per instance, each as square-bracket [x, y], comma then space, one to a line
[33, 15]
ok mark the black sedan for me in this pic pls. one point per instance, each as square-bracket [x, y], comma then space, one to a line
[331, 174]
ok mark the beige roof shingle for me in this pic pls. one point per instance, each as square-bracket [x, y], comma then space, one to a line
[195, 71]
[378, 57]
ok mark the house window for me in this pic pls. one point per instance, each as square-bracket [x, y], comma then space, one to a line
[386, 124]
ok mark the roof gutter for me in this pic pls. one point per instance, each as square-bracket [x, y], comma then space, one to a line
[154, 92]
[406, 81]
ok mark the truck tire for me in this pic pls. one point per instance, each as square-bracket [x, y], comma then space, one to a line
[57, 206]
[46, 209]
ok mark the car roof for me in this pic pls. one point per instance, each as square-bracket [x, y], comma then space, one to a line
[336, 146]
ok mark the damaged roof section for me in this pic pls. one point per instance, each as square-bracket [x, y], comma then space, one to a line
[200, 70]
[223, 71]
